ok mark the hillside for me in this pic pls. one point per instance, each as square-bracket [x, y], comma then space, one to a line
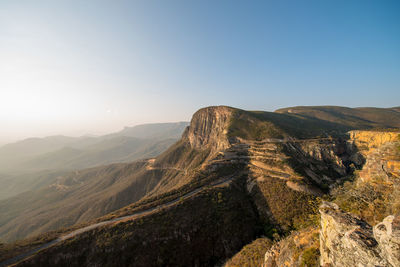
[116, 149]
[275, 167]
[12, 185]
[35, 153]
[27, 161]
[349, 118]
[153, 131]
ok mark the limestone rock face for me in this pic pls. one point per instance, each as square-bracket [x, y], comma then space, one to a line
[208, 128]
[348, 241]
[292, 250]
[369, 140]
[387, 234]
[322, 157]
[379, 151]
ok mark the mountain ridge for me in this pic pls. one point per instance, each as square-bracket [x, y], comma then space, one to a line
[25, 160]
[270, 159]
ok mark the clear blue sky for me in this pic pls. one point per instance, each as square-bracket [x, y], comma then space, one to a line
[76, 67]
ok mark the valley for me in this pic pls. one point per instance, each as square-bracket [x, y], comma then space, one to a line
[233, 178]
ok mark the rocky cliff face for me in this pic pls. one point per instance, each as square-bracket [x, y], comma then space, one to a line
[348, 241]
[375, 192]
[381, 153]
[298, 249]
[208, 128]
[275, 181]
[345, 239]
[367, 141]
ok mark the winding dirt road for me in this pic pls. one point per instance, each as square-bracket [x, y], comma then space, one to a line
[25, 255]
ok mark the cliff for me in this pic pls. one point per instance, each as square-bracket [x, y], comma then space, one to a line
[348, 241]
[297, 250]
[375, 191]
[380, 149]
[373, 195]
[274, 168]
[209, 128]
[367, 141]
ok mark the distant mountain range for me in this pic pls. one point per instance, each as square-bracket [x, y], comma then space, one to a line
[22, 164]
[65, 152]
[234, 176]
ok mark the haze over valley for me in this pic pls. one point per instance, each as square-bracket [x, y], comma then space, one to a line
[209, 133]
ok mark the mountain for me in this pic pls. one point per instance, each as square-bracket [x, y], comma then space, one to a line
[362, 226]
[350, 118]
[234, 177]
[25, 162]
[116, 149]
[153, 131]
[12, 185]
[75, 197]
[27, 153]
[22, 150]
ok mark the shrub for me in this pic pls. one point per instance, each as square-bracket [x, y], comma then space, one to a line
[310, 257]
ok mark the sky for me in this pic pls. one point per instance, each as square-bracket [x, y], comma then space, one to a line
[93, 67]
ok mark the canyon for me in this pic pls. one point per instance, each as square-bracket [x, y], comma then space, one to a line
[281, 166]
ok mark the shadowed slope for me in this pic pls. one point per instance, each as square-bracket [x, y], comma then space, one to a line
[278, 164]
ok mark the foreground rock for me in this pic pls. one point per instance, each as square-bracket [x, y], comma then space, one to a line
[299, 249]
[348, 241]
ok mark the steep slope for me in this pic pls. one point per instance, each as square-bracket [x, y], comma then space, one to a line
[299, 249]
[12, 154]
[84, 195]
[182, 237]
[27, 161]
[348, 241]
[274, 172]
[375, 191]
[12, 185]
[116, 149]
[153, 131]
[370, 197]
[35, 154]
[350, 118]
[74, 198]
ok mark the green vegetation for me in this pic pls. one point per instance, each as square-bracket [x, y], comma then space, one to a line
[75, 198]
[215, 223]
[245, 125]
[398, 146]
[349, 118]
[251, 255]
[274, 192]
[372, 203]
[206, 233]
[310, 257]
[21, 246]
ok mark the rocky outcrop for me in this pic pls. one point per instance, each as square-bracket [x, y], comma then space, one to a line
[387, 234]
[367, 141]
[276, 175]
[208, 128]
[380, 150]
[348, 241]
[323, 161]
[298, 249]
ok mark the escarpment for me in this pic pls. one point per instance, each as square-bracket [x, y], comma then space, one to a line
[209, 128]
[346, 239]
[380, 149]
[238, 176]
[375, 191]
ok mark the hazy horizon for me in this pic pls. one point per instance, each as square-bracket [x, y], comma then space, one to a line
[94, 133]
[89, 134]
[73, 68]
